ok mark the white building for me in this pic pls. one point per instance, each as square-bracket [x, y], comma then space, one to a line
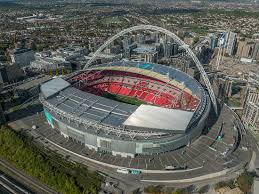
[46, 63]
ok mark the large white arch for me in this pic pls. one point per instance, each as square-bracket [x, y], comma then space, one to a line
[176, 39]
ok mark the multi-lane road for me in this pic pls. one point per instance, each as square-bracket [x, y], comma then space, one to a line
[20, 183]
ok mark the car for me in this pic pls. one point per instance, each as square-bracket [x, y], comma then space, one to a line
[123, 170]
[34, 127]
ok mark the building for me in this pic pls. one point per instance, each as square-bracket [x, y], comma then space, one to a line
[224, 87]
[150, 57]
[170, 49]
[231, 43]
[255, 55]
[104, 57]
[146, 53]
[10, 73]
[245, 49]
[126, 42]
[45, 64]
[213, 41]
[31, 87]
[251, 109]
[22, 57]
[175, 115]
[70, 53]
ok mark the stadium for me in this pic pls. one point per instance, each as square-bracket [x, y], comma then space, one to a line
[142, 117]
[127, 108]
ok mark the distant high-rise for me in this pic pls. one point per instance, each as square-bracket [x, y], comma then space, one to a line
[170, 49]
[245, 49]
[231, 43]
[141, 38]
[151, 57]
[213, 41]
[251, 109]
[155, 37]
[126, 42]
[255, 55]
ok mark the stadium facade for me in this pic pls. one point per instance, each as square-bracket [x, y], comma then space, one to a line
[166, 109]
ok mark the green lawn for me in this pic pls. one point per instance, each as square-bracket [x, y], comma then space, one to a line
[124, 99]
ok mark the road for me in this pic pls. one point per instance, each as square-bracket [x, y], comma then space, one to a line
[126, 183]
[25, 179]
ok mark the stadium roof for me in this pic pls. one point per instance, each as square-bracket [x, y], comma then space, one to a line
[147, 116]
[53, 86]
[91, 107]
[102, 110]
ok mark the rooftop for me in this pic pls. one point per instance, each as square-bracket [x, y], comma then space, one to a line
[165, 119]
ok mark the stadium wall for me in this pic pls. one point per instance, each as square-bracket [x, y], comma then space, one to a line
[123, 146]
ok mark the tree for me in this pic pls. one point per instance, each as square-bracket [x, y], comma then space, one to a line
[245, 181]
[204, 189]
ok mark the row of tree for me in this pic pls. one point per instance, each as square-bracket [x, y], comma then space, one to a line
[48, 167]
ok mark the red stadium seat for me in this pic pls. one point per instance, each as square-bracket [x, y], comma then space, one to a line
[150, 90]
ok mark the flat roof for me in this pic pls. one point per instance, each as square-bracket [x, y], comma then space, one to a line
[53, 86]
[153, 117]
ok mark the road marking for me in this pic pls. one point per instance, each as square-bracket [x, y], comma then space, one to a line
[161, 162]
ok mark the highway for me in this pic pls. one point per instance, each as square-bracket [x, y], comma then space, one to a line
[24, 178]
